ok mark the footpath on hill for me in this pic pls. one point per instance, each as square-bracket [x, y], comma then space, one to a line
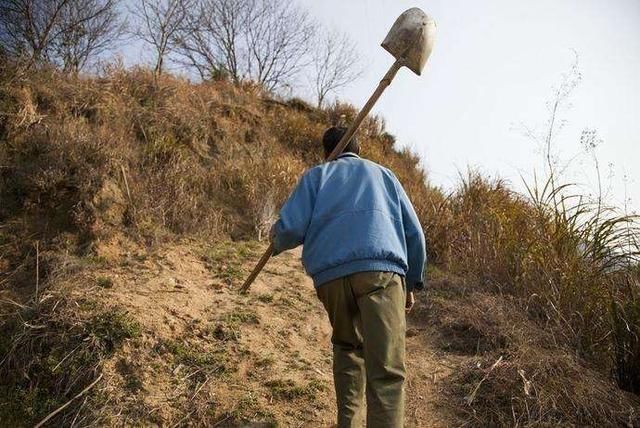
[207, 353]
[161, 336]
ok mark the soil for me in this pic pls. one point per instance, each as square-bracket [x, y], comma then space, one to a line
[259, 359]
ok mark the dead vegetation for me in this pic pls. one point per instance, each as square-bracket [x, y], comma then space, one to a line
[53, 350]
[513, 372]
[131, 206]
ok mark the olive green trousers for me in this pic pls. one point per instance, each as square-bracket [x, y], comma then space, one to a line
[367, 314]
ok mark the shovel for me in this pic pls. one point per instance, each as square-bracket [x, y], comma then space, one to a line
[410, 41]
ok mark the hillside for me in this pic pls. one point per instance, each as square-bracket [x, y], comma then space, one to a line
[132, 208]
[203, 354]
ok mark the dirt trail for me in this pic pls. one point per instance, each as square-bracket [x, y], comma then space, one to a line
[208, 353]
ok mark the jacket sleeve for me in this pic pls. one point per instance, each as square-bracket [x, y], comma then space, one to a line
[290, 229]
[416, 246]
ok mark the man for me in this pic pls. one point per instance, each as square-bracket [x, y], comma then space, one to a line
[365, 250]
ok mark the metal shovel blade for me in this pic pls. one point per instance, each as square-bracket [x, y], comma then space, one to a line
[411, 39]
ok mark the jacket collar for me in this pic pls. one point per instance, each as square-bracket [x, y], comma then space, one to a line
[348, 154]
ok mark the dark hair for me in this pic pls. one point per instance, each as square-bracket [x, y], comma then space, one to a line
[332, 137]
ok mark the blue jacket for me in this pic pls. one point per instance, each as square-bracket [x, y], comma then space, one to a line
[352, 215]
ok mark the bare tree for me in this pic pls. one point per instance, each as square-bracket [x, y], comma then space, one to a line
[335, 64]
[266, 41]
[62, 32]
[87, 29]
[28, 27]
[211, 40]
[159, 24]
[278, 41]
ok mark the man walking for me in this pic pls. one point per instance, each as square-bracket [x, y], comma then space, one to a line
[365, 250]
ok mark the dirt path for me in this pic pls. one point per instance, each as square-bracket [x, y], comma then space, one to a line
[208, 354]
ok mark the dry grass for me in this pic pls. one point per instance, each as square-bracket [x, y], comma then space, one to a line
[512, 371]
[162, 158]
[54, 348]
[571, 263]
[534, 387]
[571, 268]
[125, 157]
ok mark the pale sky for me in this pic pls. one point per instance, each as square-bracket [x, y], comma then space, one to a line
[493, 68]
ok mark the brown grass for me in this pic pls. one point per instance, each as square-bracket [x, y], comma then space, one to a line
[513, 371]
[122, 158]
[209, 159]
[571, 265]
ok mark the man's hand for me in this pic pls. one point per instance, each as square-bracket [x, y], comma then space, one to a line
[410, 301]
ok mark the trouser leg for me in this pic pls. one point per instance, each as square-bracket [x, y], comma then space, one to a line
[380, 298]
[348, 361]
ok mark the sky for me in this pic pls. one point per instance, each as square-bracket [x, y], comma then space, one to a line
[492, 74]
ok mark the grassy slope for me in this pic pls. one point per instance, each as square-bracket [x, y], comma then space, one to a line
[132, 190]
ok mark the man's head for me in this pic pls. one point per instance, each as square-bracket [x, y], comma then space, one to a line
[332, 137]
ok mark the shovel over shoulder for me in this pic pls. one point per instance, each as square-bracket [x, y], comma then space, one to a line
[410, 40]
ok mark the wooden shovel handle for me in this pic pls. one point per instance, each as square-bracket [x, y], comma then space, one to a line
[256, 270]
[386, 81]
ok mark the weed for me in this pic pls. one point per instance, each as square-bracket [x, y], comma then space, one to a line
[626, 335]
[225, 260]
[140, 257]
[129, 373]
[222, 333]
[242, 316]
[286, 302]
[193, 355]
[245, 413]
[104, 282]
[287, 389]
[111, 328]
[42, 367]
[267, 361]
[99, 261]
[265, 298]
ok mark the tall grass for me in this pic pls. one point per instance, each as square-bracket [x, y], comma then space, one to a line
[91, 157]
[85, 158]
[573, 263]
